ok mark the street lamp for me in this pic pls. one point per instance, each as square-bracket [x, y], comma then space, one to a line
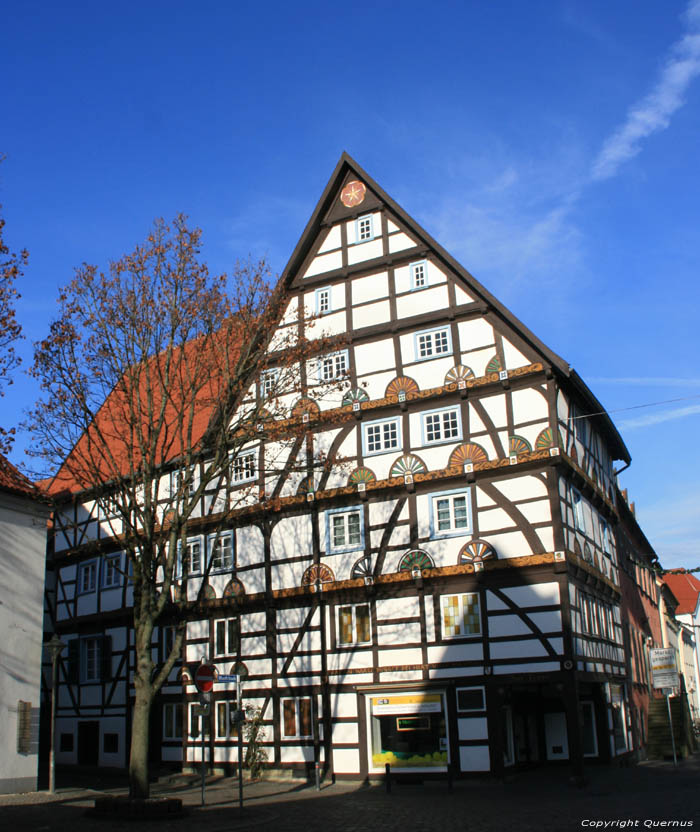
[55, 646]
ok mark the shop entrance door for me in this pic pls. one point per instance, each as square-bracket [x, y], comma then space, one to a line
[88, 743]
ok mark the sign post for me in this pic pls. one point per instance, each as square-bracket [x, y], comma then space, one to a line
[664, 675]
[204, 680]
[241, 674]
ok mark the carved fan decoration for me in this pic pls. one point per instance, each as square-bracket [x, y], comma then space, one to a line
[209, 594]
[518, 445]
[573, 454]
[178, 593]
[361, 475]
[362, 569]
[305, 486]
[353, 194]
[587, 554]
[415, 559]
[407, 464]
[494, 365]
[545, 440]
[318, 573]
[306, 406]
[577, 548]
[476, 551]
[401, 384]
[356, 395]
[469, 452]
[233, 588]
[459, 373]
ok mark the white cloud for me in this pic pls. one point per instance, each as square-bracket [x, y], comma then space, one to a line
[659, 417]
[654, 111]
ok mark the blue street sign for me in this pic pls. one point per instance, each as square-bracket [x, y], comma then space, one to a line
[224, 677]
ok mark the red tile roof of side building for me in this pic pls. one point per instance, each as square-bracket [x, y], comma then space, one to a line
[12, 480]
[686, 588]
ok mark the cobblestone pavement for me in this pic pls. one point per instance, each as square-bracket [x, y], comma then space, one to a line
[651, 795]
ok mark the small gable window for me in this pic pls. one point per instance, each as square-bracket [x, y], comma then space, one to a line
[323, 300]
[419, 275]
[87, 577]
[365, 229]
[433, 343]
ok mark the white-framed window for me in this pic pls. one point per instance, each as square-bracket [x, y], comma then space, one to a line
[194, 550]
[333, 366]
[364, 227]
[87, 577]
[442, 425]
[183, 483]
[244, 467]
[344, 529]
[90, 659]
[268, 382]
[226, 725]
[471, 699]
[108, 507]
[605, 536]
[383, 435]
[419, 274]
[226, 636]
[112, 571]
[461, 615]
[450, 513]
[172, 720]
[432, 343]
[196, 721]
[354, 624]
[221, 551]
[579, 516]
[323, 300]
[296, 718]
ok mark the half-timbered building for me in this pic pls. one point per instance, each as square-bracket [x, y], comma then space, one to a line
[446, 594]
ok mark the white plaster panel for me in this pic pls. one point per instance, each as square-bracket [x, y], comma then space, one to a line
[254, 622]
[371, 287]
[557, 645]
[291, 313]
[529, 404]
[399, 657]
[461, 296]
[429, 374]
[431, 299]
[379, 513]
[324, 263]
[310, 641]
[259, 667]
[365, 251]
[513, 357]
[429, 618]
[301, 664]
[346, 760]
[350, 659]
[548, 622]
[507, 625]
[297, 754]
[510, 544]
[294, 618]
[538, 512]
[494, 518]
[87, 604]
[331, 324]
[399, 634]
[332, 241]
[378, 355]
[284, 337]
[111, 599]
[345, 732]
[470, 652]
[477, 359]
[475, 728]
[475, 334]
[371, 314]
[474, 758]
[253, 580]
[68, 573]
[533, 667]
[398, 608]
[521, 488]
[253, 645]
[291, 536]
[534, 595]
[495, 406]
[375, 384]
[455, 672]
[391, 227]
[344, 705]
[517, 649]
[90, 696]
[399, 242]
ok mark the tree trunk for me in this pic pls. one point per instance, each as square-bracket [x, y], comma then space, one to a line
[138, 761]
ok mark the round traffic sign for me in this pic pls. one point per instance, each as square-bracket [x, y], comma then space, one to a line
[204, 677]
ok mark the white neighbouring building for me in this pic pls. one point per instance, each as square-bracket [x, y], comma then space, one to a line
[450, 596]
[24, 514]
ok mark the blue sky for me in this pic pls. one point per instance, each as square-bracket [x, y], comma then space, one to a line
[551, 146]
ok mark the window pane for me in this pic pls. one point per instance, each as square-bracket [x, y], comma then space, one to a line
[441, 345]
[232, 636]
[289, 717]
[432, 427]
[305, 718]
[450, 424]
[345, 625]
[390, 435]
[220, 638]
[362, 622]
[472, 619]
[443, 514]
[460, 512]
[338, 524]
[354, 536]
[425, 345]
[450, 615]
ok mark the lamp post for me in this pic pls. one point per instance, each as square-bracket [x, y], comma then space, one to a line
[55, 646]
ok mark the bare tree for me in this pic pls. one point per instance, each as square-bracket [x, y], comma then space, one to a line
[151, 379]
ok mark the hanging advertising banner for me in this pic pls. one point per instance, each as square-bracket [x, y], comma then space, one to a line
[664, 673]
[408, 703]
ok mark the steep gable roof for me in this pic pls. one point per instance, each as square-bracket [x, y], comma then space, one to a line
[686, 588]
[326, 211]
[13, 481]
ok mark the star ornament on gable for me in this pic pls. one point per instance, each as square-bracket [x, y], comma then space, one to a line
[353, 194]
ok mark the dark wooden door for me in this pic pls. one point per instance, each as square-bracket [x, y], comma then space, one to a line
[88, 743]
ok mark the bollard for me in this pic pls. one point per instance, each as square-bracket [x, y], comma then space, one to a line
[387, 777]
[317, 767]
